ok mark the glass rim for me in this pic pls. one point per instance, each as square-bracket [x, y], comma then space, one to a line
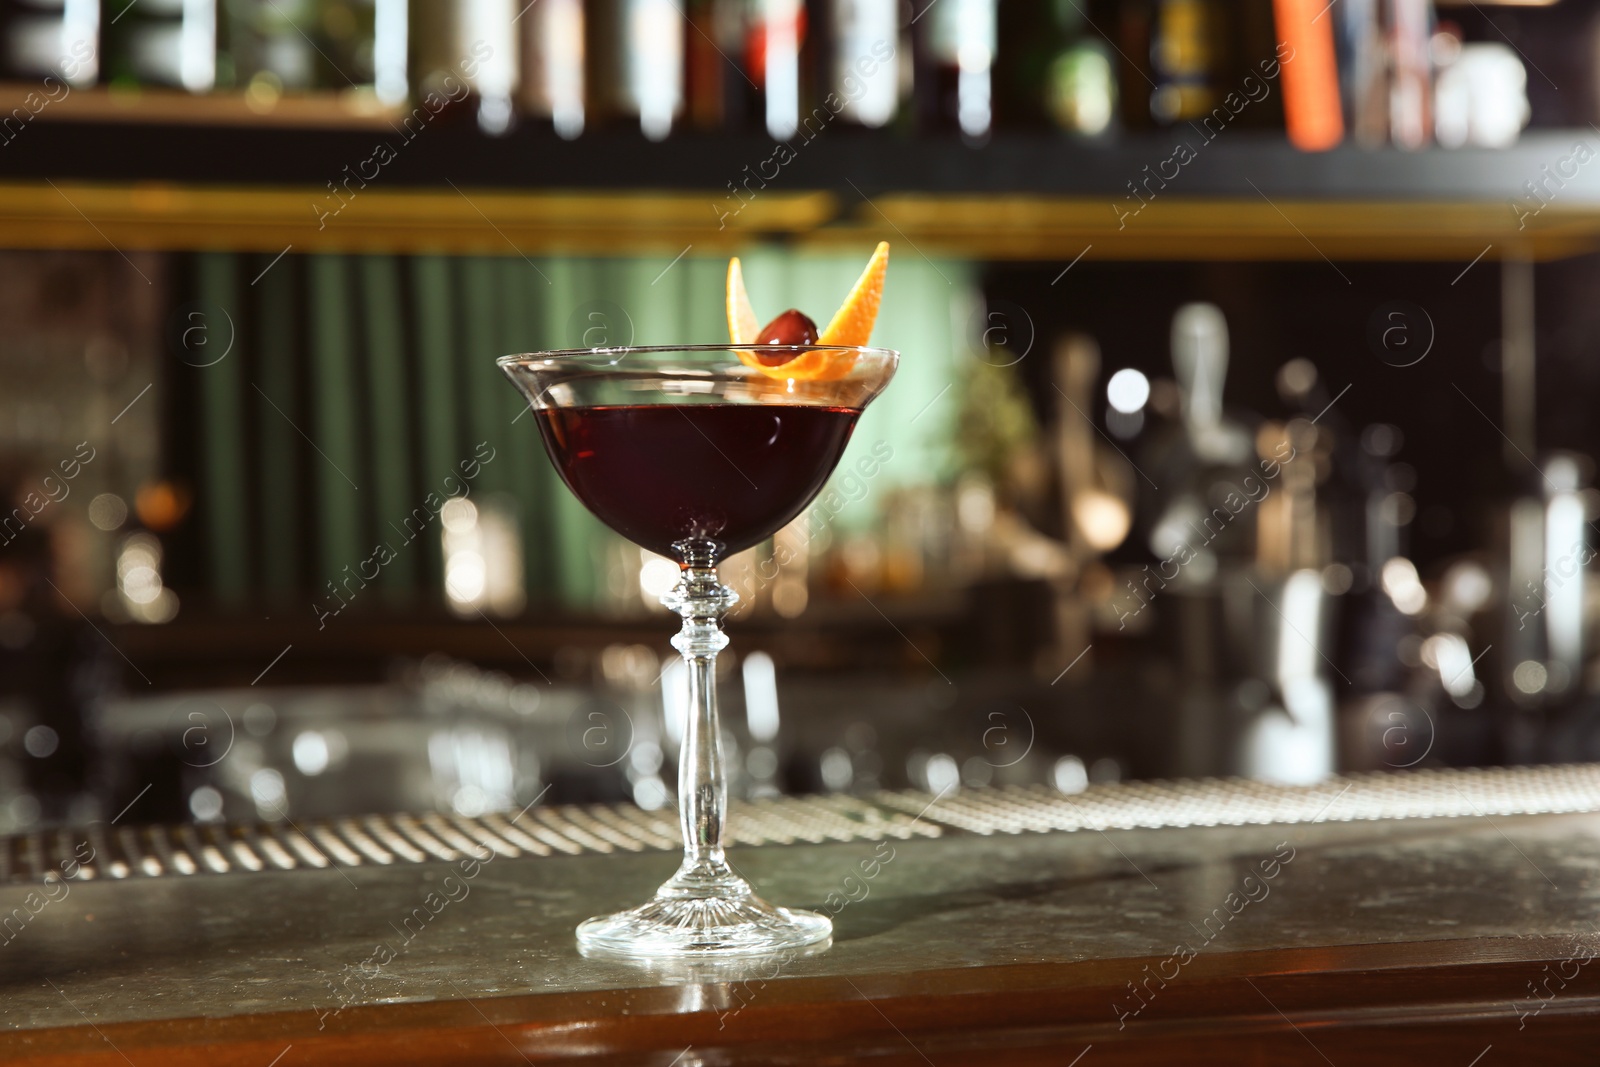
[574, 354]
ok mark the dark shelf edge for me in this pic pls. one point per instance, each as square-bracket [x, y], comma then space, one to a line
[853, 164]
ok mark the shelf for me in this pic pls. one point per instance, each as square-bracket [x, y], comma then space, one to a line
[449, 188]
[154, 216]
[141, 107]
[180, 218]
[201, 649]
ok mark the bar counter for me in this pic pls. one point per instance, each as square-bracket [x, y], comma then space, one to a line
[1330, 938]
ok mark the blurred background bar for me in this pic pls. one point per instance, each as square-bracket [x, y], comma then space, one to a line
[1244, 425]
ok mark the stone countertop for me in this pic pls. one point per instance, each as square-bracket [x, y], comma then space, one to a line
[314, 958]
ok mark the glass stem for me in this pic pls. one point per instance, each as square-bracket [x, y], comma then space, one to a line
[702, 777]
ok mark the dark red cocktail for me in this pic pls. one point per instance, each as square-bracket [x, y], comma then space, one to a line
[732, 474]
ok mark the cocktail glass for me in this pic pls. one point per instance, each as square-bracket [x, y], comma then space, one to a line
[694, 454]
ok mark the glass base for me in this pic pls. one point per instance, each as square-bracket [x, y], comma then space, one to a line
[703, 911]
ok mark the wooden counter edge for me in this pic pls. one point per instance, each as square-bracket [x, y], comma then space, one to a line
[1375, 1003]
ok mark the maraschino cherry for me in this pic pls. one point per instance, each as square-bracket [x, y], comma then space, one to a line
[790, 328]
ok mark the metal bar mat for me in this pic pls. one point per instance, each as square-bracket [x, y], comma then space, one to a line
[381, 840]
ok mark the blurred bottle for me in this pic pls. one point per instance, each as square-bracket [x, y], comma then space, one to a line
[774, 36]
[1480, 92]
[864, 61]
[1188, 46]
[1313, 117]
[344, 35]
[269, 46]
[1081, 89]
[723, 90]
[1411, 84]
[1547, 585]
[635, 51]
[1202, 539]
[954, 78]
[468, 47]
[605, 88]
[266, 48]
[749, 64]
[712, 80]
[1026, 39]
[908, 519]
[391, 44]
[552, 88]
[1095, 491]
[163, 42]
[1080, 85]
[40, 40]
[1363, 69]
[1055, 74]
[53, 668]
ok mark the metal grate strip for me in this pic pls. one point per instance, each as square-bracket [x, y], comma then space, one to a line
[351, 832]
[417, 835]
[1429, 794]
[654, 830]
[558, 819]
[393, 841]
[509, 832]
[377, 840]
